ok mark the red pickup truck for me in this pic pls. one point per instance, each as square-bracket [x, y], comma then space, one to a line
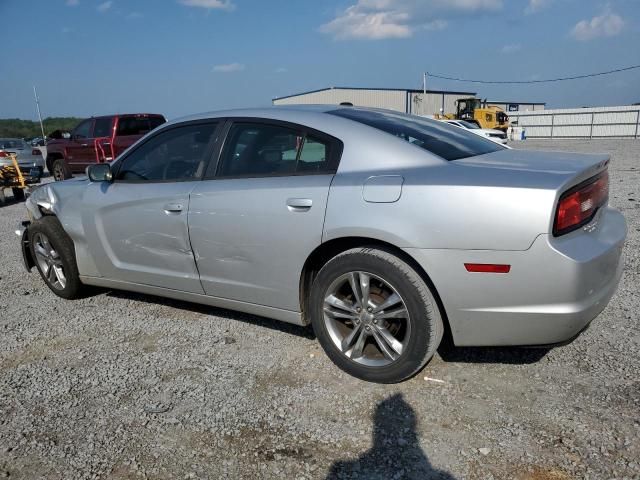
[96, 140]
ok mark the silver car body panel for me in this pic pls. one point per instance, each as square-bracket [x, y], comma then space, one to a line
[239, 239]
[244, 242]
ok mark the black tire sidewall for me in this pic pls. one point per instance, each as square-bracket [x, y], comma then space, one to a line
[420, 314]
[62, 243]
[18, 194]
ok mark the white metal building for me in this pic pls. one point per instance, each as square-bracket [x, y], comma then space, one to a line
[511, 107]
[401, 100]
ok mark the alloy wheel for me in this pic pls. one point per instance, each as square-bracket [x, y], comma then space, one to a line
[367, 319]
[49, 261]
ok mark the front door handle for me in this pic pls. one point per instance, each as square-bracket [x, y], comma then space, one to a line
[299, 204]
[173, 208]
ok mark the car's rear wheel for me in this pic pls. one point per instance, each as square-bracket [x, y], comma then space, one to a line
[59, 170]
[374, 316]
[54, 254]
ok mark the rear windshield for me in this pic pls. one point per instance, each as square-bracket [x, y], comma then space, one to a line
[439, 138]
[138, 125]
[6, 143]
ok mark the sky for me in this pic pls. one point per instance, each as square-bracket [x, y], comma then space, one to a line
[177, 57]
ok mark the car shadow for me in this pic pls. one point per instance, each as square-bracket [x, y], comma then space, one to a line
[505, 355]
[395, 450]
[447, 351]
[300, 331]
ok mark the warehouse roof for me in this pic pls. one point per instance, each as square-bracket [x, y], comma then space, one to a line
[412, 90]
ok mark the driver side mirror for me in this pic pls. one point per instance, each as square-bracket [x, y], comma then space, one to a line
[100, 172]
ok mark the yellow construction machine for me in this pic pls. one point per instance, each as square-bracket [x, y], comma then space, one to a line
[477, 111]
[12, 177]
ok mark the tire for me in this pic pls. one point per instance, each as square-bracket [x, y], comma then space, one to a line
[3, 199]
[61, 254]
[18, 194]
[419, 333]
[59, 170]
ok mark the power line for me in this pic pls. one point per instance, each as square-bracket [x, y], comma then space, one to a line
[576, 77]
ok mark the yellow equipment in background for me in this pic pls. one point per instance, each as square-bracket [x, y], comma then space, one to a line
[474, 109]
[11, 177]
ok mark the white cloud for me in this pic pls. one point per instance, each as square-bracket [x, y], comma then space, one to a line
[608, 24]
[229, 68]
[209, 4]
[103, 7]
[133, 15]
[379, 19]
[513, 48]
[536, 5]
[72, 3]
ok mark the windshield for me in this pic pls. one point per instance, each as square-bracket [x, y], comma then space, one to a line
[436, 137]
[7, 143]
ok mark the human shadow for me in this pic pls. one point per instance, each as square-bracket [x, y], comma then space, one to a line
[396, 451]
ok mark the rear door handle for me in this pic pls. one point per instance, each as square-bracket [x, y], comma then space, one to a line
[173, 208]
[299, 204]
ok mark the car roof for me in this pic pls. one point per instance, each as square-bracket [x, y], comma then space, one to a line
[260, 112]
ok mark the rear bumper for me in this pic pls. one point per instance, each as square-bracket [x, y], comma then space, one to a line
[552, 292]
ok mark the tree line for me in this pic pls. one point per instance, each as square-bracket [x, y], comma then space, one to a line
[16, 128]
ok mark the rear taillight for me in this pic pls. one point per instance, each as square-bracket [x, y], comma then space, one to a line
[35, 151]
[578, 205]
[4, 154]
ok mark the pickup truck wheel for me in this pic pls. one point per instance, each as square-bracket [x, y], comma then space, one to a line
[18, 194]
[54, 255]
[60, 171]
[374, 316]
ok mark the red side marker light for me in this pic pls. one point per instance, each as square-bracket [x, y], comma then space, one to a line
[487, 268]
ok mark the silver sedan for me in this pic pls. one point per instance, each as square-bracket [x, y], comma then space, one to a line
[381, 230]
[29, 158]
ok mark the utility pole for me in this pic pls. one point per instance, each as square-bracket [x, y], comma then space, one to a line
[35, 94]
[424, 84]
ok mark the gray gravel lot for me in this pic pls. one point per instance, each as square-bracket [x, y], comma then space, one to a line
[121, 385]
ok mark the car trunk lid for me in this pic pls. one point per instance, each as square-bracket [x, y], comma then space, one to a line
[561, 169]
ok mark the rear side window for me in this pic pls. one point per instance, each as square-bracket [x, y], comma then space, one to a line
[439, 138]
[138, 125]
[256, 150]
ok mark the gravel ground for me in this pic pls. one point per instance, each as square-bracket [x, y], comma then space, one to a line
[121, 385]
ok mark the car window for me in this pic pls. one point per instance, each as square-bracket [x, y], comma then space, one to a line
[431, 135]
[83, 130]
[261, 149]
[138, 125]
[178, 154]
[102, 127]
